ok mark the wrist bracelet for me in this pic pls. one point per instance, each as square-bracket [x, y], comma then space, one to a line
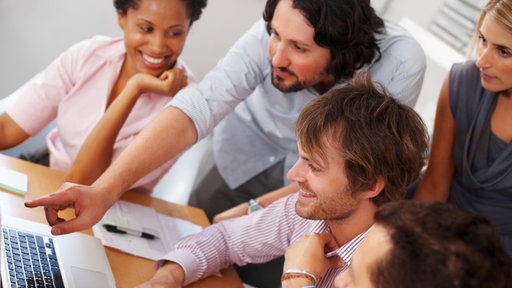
[294, 273]
[287, 276]
[310, 286]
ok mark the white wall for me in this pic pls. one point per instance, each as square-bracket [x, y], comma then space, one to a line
[34, 32]
[222, 23]
[421, 11]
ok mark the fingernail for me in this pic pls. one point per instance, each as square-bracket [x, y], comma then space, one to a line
[56, 231]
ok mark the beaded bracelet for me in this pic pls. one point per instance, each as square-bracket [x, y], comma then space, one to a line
[293, 273]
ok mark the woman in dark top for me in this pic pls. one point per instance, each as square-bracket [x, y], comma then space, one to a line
[471, 157]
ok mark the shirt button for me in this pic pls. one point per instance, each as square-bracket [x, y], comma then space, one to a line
[271, 158]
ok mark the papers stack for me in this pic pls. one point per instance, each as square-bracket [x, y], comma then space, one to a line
[168, 230]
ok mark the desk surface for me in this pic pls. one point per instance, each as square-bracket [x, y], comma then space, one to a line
[128, 270]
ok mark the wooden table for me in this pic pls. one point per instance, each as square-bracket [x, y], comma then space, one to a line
[128, 270]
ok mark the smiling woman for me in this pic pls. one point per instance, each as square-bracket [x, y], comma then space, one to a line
[154, 34]
[28, 25]
[103, 91]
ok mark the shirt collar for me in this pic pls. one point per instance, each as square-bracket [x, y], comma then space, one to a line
[114, 52]
[347, 250]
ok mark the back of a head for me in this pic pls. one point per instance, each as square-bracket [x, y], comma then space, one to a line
[378, 137]
[440, 245]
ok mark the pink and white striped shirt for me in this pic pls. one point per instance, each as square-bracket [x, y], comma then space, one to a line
[255, 238]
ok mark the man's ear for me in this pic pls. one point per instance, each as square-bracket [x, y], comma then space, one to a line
[375, 189]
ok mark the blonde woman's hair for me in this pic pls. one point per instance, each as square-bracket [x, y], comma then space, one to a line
[501, 11]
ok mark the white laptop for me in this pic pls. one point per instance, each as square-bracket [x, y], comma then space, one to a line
[81, 258]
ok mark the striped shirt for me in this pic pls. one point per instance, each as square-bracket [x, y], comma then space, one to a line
[255, 238]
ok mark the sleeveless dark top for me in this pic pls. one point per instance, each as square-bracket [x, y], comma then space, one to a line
[483, 162]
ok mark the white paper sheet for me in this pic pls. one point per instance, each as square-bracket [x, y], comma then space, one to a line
[168, 230]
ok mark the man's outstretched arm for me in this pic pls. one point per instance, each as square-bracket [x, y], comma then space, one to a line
[168, 135]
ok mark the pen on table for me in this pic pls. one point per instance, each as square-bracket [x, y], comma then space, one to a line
[129, 231]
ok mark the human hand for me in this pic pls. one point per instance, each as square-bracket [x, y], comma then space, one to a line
[308, 254]
[237, 211]
[174, 80]
[169, 83]
[171, 275]
[89, 203]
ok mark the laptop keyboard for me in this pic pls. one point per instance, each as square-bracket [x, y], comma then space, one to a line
[31, 260]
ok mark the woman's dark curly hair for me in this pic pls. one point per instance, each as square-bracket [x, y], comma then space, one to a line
[194, 7]
[346, 27]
